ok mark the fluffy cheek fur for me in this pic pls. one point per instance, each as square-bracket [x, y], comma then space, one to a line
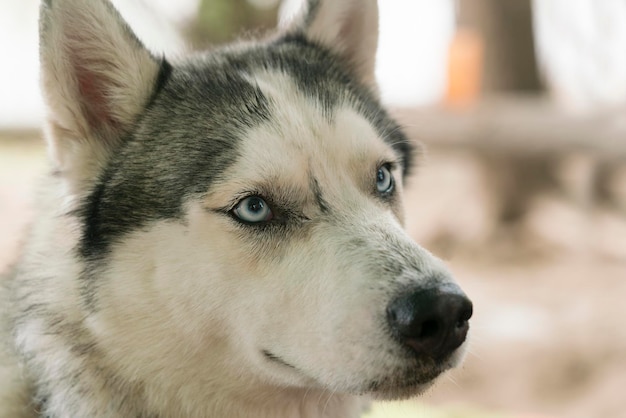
[168, 297]
[174, 296]
[326, 313]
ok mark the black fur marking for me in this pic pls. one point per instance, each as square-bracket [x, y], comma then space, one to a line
[183, 141]
[165, 71]
[317, 192]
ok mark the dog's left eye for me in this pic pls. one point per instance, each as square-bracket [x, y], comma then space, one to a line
[253, 209]
[384, 180]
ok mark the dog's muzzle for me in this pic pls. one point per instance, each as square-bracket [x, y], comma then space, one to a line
[432, 322]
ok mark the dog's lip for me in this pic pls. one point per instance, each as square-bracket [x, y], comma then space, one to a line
[409, 381]
[403, 385]
[400, 391]
[277, 359]
[405, 382]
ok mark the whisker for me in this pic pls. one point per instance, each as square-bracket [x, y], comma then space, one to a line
[327, 401]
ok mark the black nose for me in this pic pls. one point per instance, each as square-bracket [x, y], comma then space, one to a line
[433, 322]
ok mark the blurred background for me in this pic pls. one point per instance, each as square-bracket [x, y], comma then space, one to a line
[521, 106]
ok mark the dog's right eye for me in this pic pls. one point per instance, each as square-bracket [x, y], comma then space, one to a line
[253, 210]
[384, 180]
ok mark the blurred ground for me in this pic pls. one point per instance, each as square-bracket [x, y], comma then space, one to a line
[548, 338]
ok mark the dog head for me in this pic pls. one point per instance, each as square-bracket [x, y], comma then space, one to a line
[240, 212]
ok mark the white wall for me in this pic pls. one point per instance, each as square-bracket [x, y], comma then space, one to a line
[413, 48]
[20, 105]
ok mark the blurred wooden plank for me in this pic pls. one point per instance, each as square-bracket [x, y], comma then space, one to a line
[19, 135]
[517, 124]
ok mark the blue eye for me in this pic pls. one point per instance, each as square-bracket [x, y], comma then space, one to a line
[384, 180]
[253, 209]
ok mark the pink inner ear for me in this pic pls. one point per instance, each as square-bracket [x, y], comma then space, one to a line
[93, 97]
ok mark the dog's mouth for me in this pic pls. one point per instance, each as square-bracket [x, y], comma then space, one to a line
[388, 392]
[400, 384]
[403, 384]
[276, 359]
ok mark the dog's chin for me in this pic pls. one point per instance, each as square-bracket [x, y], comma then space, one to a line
[402, 383]
[412, 381]
[395, 393]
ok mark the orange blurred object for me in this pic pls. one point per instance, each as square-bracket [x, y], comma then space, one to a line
[465, 66]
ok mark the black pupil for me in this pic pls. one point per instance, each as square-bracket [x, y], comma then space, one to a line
[255, 205]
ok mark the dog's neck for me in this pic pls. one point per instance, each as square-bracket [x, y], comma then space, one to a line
[290, 403]
[275, 403]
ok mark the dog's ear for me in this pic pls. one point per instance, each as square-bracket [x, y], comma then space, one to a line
[96, 78]
[348, 27]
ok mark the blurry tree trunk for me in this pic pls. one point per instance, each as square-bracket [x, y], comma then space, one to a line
[506, 26]
[222, 21]
[509, 66]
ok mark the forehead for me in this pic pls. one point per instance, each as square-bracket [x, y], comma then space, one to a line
[299, 79]
[305, 155]
[301, 134]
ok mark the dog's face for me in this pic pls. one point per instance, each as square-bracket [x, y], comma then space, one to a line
[241, 212]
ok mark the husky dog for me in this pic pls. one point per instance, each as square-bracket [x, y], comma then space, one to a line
[221, 235]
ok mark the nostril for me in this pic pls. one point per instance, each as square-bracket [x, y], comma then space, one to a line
[467, 311]
[430, 329]
[465, 314]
